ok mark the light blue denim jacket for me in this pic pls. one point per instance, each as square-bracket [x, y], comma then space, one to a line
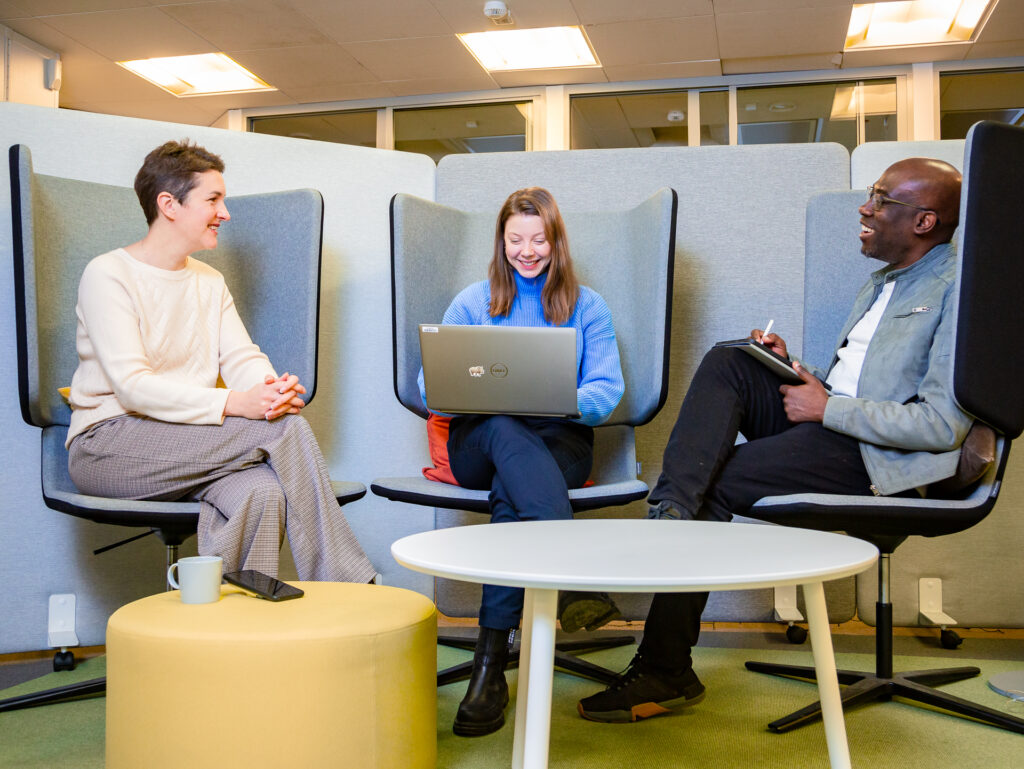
[904, 415]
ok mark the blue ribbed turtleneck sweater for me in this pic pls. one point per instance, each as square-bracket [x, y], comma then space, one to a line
[599, 384]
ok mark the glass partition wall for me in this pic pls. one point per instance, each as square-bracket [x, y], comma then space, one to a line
[764, 109]
[967, 97]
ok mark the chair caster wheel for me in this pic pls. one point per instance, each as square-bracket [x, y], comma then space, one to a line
[796, 634]
[63, 661]
[950, 639]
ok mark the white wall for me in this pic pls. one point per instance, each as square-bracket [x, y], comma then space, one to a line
[24, 70]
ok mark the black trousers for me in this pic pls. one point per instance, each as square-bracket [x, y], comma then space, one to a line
[709, 478]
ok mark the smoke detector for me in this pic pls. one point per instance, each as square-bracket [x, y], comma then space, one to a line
[676, 116]
[498, 12]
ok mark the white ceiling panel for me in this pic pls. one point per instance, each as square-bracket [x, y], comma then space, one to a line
[249, 25]
[358, 20]
[416, 58]
[305, 66]
[54, 7]
[440, 85]
[134, 33]
[607, 11]
[1005, 23]
[13, 10]
[628, 72]
[550, 77]
[770, 6]
[781, 33]
[653, 42]
[339, 92]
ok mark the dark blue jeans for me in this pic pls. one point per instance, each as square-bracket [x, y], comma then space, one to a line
[529, 464]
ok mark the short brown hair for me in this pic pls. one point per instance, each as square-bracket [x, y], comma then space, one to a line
[172, 167]
[561, 289]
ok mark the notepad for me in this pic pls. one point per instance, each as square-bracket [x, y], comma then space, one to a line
[781, 366]
[518, 370]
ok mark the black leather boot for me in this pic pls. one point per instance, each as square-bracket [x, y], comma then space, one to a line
[482, 710]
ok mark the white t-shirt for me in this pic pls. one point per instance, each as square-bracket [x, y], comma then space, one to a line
[153, 342]
[845, 375]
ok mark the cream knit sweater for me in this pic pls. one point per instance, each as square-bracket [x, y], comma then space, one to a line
[153, 342]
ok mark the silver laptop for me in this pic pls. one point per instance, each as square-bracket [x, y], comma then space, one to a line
[500, 370]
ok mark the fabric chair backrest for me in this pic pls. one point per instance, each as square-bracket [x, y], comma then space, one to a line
[989, 356]
[269, 253]
[626, 256]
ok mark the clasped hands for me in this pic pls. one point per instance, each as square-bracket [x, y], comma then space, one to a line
[803, 402]
[269, 400]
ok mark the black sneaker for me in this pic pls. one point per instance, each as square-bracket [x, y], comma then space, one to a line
[667, 511]
[578, 610]
[642, 692]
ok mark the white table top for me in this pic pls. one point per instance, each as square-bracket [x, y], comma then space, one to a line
[634, 555]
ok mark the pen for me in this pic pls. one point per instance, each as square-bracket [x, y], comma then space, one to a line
[767, 329]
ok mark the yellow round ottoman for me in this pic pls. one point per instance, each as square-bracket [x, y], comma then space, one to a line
[343, 677]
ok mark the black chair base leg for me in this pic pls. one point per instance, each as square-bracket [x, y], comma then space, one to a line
[53, 696]
[912, 685]
[564, 659]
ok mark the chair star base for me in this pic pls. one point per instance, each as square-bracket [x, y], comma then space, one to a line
[53, 696]
[915, 685]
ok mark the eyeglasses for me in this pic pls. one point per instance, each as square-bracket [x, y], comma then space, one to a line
[879, 199]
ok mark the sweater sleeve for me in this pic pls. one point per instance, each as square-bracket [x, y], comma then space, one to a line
[601, 385]
[242, 363]
[111, 326]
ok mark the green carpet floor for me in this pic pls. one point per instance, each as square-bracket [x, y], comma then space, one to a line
[726, 731]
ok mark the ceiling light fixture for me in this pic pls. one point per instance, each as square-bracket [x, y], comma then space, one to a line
[544, 48]
[915, 22]
[198, 75]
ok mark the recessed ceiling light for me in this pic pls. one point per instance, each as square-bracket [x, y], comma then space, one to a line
[545, 48]
[199, 75]
[915, 22]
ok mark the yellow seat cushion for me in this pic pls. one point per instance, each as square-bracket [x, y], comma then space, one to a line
[344, 676]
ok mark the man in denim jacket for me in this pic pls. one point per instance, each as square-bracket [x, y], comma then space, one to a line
[880, 420]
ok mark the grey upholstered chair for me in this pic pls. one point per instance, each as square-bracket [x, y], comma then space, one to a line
[627, 257]
[988, 370]
[270, 256]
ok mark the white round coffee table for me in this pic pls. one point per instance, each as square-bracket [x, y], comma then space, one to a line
[639, 556]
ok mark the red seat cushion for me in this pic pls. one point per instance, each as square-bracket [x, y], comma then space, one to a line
[437, 441]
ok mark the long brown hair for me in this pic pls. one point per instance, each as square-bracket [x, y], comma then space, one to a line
[561, 289]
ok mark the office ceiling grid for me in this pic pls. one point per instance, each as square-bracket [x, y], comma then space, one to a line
[333, 50]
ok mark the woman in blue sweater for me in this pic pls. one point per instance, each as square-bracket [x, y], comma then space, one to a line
[530, 463]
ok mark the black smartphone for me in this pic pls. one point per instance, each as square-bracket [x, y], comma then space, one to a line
[263, 585]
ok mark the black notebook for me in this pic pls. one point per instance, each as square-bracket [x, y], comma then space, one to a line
[781, 366]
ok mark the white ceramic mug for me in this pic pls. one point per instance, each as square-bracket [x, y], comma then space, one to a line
[200, 578]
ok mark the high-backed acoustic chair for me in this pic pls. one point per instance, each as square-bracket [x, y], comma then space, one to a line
[627, 257]
[988, 370]
[269, 254]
